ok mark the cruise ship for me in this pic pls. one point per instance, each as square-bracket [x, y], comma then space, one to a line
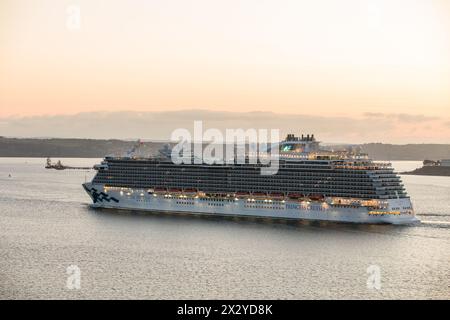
[312, 183]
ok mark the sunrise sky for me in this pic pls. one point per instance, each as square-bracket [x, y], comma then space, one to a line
[352, 59]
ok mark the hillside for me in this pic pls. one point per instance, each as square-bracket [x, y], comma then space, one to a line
[381, 151]
[90, 148]
[430, 171]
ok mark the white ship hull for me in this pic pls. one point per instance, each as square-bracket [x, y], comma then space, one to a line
[141, 200]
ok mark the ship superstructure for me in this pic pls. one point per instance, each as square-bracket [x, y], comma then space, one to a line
[311, 183]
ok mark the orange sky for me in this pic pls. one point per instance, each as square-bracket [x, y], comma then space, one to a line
[346, 57]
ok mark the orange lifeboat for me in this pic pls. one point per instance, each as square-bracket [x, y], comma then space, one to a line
[190, 191]
[242, 194]
[259, 195]
[276, 195]
[317, 197]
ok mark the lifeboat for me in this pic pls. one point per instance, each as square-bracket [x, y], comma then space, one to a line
[259, 195]
[159, 190]
[190, 191]
[219, 195]
[174, 190]
[242, 194]
[276, 195]
[295, 195]
[317, 197]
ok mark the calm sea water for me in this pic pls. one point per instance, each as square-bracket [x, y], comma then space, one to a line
[46, 226]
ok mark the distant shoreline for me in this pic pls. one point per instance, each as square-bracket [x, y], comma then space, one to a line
[437, 171]
[93, 148]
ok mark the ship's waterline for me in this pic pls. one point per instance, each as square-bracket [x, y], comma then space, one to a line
[131, 199]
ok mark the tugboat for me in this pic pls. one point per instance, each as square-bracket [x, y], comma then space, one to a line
[57, 166]
[60, 166]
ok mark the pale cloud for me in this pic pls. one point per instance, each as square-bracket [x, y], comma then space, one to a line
[398, 128]
[402, 117]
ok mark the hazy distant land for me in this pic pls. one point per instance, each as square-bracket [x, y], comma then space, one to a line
[430, 171]
[90, 148]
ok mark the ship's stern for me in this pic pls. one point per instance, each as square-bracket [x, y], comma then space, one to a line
[400, 211]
